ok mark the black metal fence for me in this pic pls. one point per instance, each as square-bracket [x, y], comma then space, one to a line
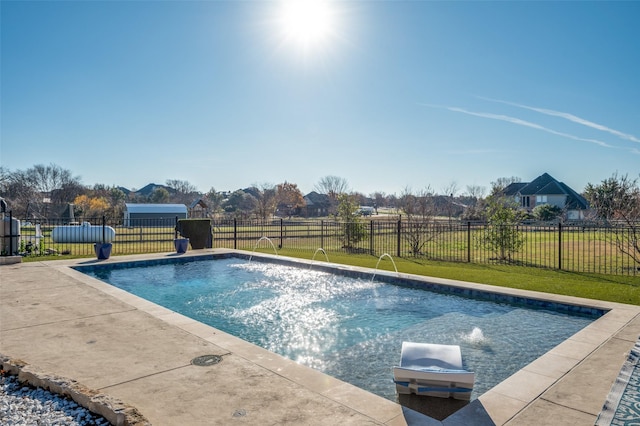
[62, 238]
[577, 247]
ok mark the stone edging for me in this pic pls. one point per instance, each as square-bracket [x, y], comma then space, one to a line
[113, 410]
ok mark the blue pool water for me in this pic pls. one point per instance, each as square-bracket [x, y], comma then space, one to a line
[349, 328]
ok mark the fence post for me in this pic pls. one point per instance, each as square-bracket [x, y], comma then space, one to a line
[371, 237]
[321, 233]
[175, 230]
[468, 241]
[281, 232]
[104, 224]
[11, 252]
[559, 245]
[399, 232]
[235, 233]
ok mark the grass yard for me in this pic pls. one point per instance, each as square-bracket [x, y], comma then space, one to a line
[613, 288]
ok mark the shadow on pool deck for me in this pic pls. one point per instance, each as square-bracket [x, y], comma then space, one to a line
[437, 408]
[74, 326]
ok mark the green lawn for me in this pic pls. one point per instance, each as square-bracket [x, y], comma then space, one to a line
[613, 288]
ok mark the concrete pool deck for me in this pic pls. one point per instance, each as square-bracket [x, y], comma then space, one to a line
[67, 324]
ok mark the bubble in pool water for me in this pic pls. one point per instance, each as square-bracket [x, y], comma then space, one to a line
[476, 336]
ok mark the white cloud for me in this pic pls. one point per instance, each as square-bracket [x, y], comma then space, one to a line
[570, 117]
[525, 123]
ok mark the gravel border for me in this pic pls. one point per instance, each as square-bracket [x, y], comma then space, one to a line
[30, 396]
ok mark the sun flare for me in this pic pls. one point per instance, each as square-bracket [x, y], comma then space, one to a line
[307, 23]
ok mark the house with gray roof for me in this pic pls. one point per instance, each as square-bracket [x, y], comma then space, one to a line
[316, 204]
[546, 190]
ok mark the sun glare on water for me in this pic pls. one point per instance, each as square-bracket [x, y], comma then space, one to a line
[308, 24]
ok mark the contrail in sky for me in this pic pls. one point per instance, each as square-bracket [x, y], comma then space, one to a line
[569, 117]
[520, 122]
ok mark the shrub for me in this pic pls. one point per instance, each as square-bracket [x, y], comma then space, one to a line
[546, 212]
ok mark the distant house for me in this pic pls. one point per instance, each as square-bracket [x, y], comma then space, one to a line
[546, 190]
[153, 214]
[148, 189]
[316, 204]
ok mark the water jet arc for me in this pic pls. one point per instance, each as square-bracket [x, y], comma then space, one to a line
[314, 256]
[379, 259]
[258, 242]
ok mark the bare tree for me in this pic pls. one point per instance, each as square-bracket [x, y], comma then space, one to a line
[451, 189]
[615, 198]
[22, 198]
[474, 204]
[185, 192]
[392, 201]
[5, 177]
[29, 192]
[332, 186]
[45, 179]
[266, 201]
[181, 186]
[359, 198]
[617, 201]
[380, 200]
[417, 205]
[476, 191]
[420, 227]
[501, 183]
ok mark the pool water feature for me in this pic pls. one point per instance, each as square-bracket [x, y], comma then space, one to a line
[258, 243]
[349, 328]
[378, 264]
[319, 250]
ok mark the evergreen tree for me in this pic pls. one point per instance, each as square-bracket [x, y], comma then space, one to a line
[353, 228]
[501, 235]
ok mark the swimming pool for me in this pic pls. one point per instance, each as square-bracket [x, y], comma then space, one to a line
[351, 328]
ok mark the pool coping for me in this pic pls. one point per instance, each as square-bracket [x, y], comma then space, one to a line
[538, 387]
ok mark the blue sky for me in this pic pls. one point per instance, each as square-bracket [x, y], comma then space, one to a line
[393, 94]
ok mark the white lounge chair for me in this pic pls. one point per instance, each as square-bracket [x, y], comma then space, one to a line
[433, 370]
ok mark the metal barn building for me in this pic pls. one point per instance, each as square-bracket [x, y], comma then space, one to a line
[153, 214]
